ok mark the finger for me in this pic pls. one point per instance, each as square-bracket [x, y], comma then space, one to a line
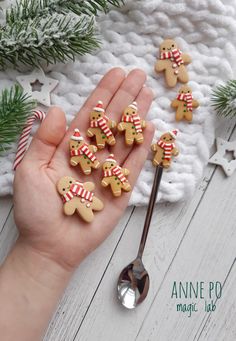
[47, 138]
[136, 159]
[105, 91]
[126, 94]
[144, 100]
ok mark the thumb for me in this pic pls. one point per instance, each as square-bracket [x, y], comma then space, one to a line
[47, 138]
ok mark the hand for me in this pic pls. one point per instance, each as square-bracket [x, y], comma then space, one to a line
[38, 207]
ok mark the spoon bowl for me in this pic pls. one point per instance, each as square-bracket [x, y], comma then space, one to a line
[133, 284]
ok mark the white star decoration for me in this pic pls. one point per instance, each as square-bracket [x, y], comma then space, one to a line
[38, 86]
[219, 157]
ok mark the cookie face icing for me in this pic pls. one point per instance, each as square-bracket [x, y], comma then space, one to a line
[184, 104]
[78, 197]
[132, 125]
[101, 127]
[172, 62]
[165, 149]
[168, 45]
[82, 153]
[115, 177]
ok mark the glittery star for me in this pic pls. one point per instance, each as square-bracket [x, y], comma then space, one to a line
[219, 157]
[38, 86]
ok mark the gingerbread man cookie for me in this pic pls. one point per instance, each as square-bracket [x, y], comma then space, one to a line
[172, 61]
[82, 153]
[115, 176]
[78, 196]
[100, 127]
[184, 104]
[132, 125]
[164, 149]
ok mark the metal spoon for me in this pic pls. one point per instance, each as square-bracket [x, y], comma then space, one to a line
[133, 282]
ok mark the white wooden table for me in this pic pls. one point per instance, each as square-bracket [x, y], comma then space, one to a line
[194, 241]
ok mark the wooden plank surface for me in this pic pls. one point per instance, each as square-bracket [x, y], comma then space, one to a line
[169, 228]
[7, 237]
[206, 254]
[221, 324]
[5, 207]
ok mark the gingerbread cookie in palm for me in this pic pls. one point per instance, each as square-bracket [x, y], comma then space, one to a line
[184, 104]
[172, 62]
[79, 197]
[132, 125]
[100, 127]
[165, 149]
[115, 176]
[82, 153]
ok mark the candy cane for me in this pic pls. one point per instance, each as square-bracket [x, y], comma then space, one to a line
[24, 137]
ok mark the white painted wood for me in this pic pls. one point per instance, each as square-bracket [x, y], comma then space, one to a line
[206, 254]
[221, 324]
[5, 207]
[170, 224]
[78, 295]
[7, 237]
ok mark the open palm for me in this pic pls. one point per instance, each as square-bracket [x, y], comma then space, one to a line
[37, 205]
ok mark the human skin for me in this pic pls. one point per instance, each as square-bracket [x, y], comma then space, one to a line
[52, 245]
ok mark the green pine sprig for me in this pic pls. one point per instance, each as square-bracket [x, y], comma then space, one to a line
[15, 107]
[26, 9]
[50, 30]
[55, 39]
[224, 99]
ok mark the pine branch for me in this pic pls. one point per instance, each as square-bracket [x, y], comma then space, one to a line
[15, 107]
[224, 99]
[29, 9]
[53, 39]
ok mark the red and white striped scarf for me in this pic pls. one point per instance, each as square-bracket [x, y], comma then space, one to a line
[135, 119]
[175, 53]
[115, 171]
[102, 124]
[77, 190]
[188, 98]
[168, 147]
[84, 150]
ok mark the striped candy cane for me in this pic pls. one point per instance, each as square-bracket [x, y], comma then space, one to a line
[23, 141]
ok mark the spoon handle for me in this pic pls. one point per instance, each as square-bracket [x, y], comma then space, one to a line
[155, 187]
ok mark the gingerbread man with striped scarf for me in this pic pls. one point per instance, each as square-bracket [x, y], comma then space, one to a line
[184, 104]
[78, 197]
[82, 153]
[101, 127]
[172, 61]
[115, 176]
[165, 149]
[132, 124]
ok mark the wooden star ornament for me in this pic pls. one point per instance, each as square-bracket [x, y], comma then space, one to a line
[38, 86]
[219, 158]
